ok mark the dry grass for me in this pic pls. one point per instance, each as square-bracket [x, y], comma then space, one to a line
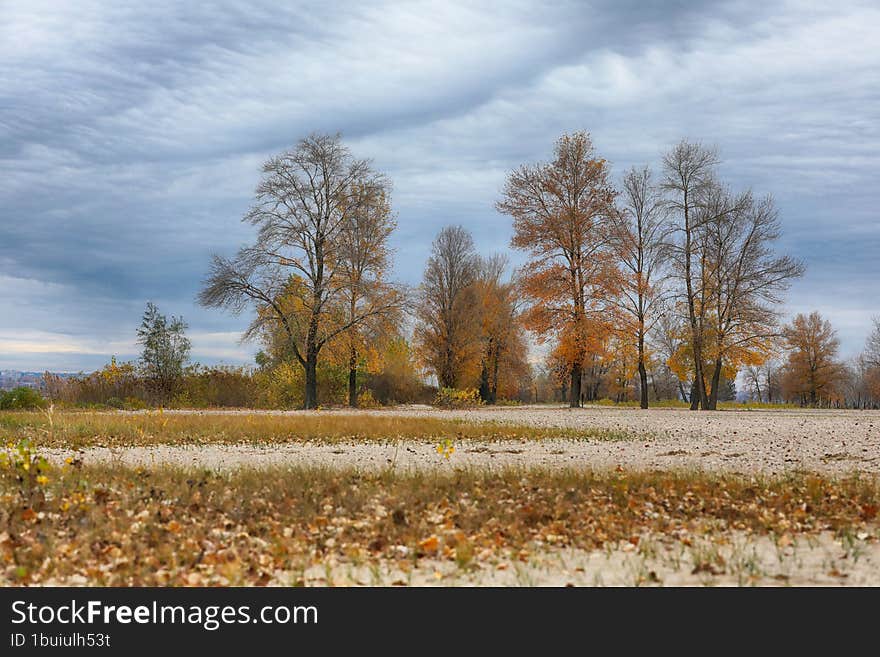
[80, 429]
[118, 526]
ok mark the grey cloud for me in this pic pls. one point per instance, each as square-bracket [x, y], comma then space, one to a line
[131, 134]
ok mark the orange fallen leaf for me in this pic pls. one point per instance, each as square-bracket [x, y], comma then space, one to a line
[430, 544]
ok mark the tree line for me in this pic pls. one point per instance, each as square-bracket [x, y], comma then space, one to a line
[672, 260]
[662, 285]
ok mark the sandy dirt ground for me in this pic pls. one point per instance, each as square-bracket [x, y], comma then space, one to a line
[768, 442]
[726, 560]
[733, 559]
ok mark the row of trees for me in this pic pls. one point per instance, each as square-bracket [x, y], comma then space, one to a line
[668, 282]
[812, 373]
[604, 267]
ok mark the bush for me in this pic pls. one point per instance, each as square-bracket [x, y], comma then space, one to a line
[454, 398]
[366, 400]
[24, 399]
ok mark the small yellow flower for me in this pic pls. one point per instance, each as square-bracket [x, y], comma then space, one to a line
[42, 480]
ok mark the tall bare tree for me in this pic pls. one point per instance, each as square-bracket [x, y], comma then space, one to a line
[448, 327]
[666, 340]
[293, 273]
[731, 279]
[872, 345]
[638, 238]
[688, 179]
[743, 280]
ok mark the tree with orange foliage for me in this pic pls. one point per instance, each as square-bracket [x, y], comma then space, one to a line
[501, 334]
[812, 370]
[560, 213]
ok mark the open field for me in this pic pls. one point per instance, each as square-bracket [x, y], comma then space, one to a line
[416, 496]
[757, 441]
[306, 526]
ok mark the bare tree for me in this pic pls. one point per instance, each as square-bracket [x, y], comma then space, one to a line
[742, 281]
[292, 274]
[689, 170]
[637, 235]
[872, 345]
[731, 280]
[666, 340]
[448, 327]
[755, 379]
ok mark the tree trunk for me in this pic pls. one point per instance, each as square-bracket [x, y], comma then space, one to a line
[311, 397]
[484, 383]
[493, 388]
[700, 379]
[716, 382]
[643, 384]
[695, 395]
[643, 373]
[352, 378]
[696, 327]
[574, 399]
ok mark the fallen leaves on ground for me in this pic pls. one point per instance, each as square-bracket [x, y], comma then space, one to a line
[121, 526]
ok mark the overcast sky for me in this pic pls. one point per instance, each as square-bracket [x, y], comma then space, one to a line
[131, 136]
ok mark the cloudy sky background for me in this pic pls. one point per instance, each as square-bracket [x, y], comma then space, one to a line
[131, 136]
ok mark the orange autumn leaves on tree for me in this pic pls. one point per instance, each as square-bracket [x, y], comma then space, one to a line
[560, 213]
[468, 332]
[812, 372]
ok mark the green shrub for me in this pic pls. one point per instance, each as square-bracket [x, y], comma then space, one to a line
[25, 399]
[455, 398]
